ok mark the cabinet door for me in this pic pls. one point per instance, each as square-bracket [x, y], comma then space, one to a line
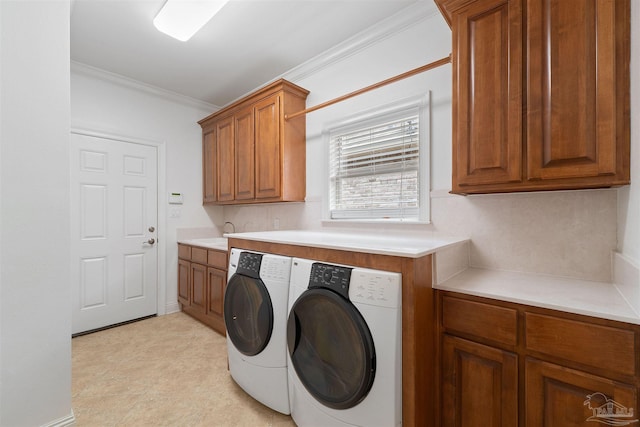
[267, 148]
[217, 280]
[198, 287]
[184, 281]
[576, 67]
[557, 396]
[244, 155]
[225, 159]
[487, 94]
[479, 385]
[209, 167]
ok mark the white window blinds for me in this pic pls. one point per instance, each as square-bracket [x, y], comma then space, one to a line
[374, 170]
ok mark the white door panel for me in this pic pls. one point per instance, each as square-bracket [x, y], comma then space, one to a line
[114, 208]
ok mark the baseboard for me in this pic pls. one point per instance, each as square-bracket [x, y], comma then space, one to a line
[172, 307]
[69, 420]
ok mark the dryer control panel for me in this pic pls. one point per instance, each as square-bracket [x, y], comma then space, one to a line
[332, 277]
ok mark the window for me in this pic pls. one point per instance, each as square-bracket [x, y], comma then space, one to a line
[375, 168]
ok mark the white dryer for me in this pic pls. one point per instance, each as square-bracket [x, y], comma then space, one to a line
[344, 340]
[255, 315]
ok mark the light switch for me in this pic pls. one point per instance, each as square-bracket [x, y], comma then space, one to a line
[175, 198]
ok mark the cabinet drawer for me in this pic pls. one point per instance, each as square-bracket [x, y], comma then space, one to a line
[199, 255]
[590, 344]
[498, 324]
[184, 252]
[217, 259]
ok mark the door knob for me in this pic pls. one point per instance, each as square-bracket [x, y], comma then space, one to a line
[150, 241]
[152, 229]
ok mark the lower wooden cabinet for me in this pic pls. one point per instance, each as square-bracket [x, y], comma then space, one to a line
[202, 277]
[505, 364]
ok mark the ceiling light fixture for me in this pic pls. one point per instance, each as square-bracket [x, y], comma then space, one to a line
[181, 19]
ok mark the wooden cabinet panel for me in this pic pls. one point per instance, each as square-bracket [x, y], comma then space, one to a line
[209, 166]
[225, 159]
[184, 282]
[561, 397]
[217, 280]
[184, 252]
[244, 155]
[480, 385]
[217, 259]
[199, 255]
[485, 321]
[198, 287]
[487, 100]
[593, 345]
[268, 156]
[571, 85]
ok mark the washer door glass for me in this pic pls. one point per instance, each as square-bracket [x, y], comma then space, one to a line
[331, 348]
[248, 314]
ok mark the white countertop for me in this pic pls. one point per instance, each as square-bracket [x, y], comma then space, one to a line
[451, 272]
[597, 299]
[409, 246]
[219, 243]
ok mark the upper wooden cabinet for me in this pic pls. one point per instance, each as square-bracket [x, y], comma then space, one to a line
[251, 154]
[540, 94]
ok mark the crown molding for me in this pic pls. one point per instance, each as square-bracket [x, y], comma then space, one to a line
[98, 73]
[396, 23]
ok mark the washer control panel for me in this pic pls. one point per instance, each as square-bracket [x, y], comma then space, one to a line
[275, 268]
[249, 264]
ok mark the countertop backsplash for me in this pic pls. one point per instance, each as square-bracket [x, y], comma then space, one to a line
[561, 233]
[197, 233]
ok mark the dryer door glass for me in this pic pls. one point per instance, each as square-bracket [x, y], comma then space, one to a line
[248, 314]
[331, 348]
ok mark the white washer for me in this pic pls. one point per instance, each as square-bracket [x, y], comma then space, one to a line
[255, 315]
[344, 339]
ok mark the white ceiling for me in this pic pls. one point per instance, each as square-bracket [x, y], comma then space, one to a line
[248, 43]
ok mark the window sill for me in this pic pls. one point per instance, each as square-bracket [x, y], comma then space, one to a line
[329, 222]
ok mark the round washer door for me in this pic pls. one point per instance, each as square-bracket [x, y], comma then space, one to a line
[331, 348]
[248, 314]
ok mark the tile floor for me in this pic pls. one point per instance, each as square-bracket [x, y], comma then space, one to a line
[163, 371]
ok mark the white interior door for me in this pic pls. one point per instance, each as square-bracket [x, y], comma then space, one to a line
[114, 192]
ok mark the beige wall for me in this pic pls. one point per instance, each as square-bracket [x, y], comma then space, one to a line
[563, 233]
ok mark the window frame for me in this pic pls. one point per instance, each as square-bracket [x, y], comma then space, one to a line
[370, 118]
